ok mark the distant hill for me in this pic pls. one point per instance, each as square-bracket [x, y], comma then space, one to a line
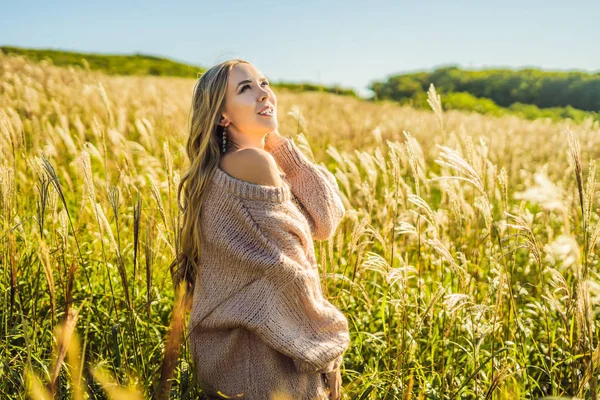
[142, 64]
[136, 64]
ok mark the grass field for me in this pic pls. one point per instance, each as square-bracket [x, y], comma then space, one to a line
[466, 264]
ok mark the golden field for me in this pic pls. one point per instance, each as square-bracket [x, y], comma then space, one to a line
[467, 263]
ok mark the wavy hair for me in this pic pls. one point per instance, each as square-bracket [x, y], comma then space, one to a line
[204, 151]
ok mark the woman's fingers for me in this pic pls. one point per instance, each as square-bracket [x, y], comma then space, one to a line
[334, 383]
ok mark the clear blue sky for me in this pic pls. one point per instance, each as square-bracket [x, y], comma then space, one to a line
[350, 43]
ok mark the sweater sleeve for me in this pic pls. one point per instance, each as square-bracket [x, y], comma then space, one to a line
[314, 187]
[274, 290]
[301, 324]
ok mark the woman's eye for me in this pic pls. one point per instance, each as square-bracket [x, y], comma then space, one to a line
[245, 86]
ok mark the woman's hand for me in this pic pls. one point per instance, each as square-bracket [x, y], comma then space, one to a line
[334, 383]
[273, 139]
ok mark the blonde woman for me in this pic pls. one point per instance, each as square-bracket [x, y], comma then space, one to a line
[253, 203]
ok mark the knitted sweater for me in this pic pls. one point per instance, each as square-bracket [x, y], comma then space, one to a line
[259, 323]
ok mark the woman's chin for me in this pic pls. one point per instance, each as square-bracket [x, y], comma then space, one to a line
[270, 122]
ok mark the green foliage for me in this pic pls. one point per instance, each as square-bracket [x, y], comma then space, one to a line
[580, 90]
[467, 102]
[529, 93]
[462, 101]
[530, 111]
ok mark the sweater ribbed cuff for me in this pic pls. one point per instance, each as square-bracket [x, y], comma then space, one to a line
[308, 367]
[289, 157]
[333, 364]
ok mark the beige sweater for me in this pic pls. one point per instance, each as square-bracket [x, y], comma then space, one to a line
[259, 322]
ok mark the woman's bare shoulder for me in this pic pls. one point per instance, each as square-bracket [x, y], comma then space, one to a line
[252, 165]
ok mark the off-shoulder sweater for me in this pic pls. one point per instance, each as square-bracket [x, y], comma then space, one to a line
[259, 323]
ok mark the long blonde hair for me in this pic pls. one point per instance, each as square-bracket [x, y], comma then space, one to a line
[204, 151]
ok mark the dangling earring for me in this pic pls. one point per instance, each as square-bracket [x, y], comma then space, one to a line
[224, 137]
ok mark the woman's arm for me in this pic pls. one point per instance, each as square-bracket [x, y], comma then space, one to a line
[314, 187]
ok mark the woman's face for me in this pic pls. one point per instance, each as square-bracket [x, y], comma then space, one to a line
[248, 92]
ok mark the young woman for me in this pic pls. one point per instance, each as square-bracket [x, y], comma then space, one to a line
[253, 204]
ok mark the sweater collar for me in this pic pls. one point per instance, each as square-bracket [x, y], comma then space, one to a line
[252, 191]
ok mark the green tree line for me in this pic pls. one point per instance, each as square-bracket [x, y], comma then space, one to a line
[505, 87]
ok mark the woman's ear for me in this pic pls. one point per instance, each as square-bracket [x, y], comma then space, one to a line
[224, 121]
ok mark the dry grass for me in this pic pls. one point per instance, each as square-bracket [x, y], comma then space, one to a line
[466, 264]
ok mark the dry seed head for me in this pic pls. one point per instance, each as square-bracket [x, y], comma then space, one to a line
[36, 164]
[93, 150]
[160, 231]
[6, 132]
[469, 148]
[117, 139]
[503, 182]
[375, 262]
[453, 302]
[7, 189]
[454, 203]
[402, 274]
[35, 388]
[106, 102]
[395, 149]
[67, 139]
[565, 249]
[104, 224]
[112, 388]
[366, 161]
[594, 238]
[63, 224]
[412, 160]
[484, 149]
[168, 160]
[64, 335]
[377, 134]
[422, 204]
[482, 203]
[528, 235]
[576, 158]
[590, 189]
[559, 281]
[491, 171]
[90, 191]
[545, 193]
[435, 102]
[443, 251]
[451, 158]
[176, 179]
[296, 113]
[405, 228]
[593, 288]
[52, 199]
[121, 119]
[158, 198]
